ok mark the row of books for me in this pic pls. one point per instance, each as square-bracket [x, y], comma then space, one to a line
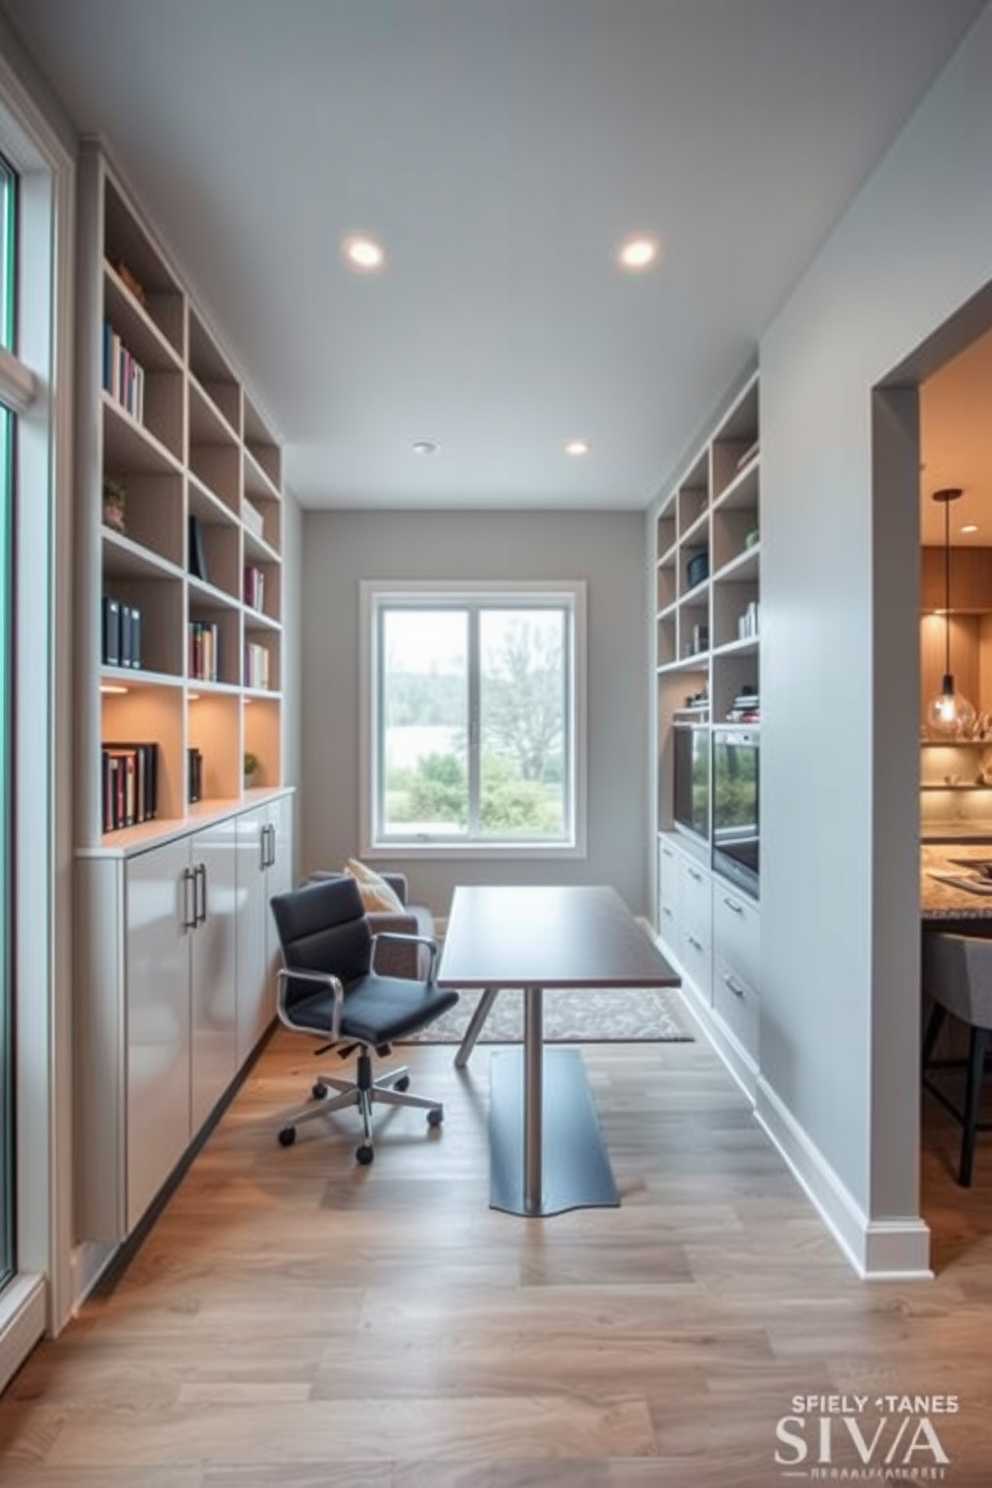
[121, 643]
[123, 376]
[255, 587]
[129, 782]
[256, 665]
[203, 661]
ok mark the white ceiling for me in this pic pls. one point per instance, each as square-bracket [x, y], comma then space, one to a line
[500, 149]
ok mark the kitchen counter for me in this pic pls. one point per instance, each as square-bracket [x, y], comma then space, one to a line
[946, 901]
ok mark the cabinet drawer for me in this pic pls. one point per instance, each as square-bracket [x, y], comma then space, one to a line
[697, 900]
[669, 881]
[737, 932]
[697, 959]
[737, 1004]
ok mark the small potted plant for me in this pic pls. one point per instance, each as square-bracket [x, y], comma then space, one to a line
[250, 768]
[114, 503]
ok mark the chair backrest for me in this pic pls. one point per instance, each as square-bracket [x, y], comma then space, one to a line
[957, 972]
[322, 927]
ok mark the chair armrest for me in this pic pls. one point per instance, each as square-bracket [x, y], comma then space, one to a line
[320, 979]
[402, 938]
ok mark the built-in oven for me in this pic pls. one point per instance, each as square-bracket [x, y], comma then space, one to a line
[735, 805]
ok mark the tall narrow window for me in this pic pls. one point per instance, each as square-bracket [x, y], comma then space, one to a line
[475, 717]
[8, 205]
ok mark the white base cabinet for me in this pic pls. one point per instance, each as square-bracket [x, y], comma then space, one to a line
[166, 967]
[712, 932]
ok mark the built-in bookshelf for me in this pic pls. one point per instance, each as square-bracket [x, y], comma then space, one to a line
[179, 535]
[707, 589]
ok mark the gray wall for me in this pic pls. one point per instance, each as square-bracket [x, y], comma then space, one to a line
[292, 618]
[840, 918]
[607, 550]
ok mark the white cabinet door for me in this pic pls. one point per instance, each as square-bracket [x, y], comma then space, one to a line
[279, 877]
[213, 966]
[157, 1028]
[265, 867]
[253, 1010]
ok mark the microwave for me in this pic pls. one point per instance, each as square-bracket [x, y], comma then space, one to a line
[735, 801]
[691, 779]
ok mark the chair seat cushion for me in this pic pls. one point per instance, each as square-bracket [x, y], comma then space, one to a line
[377, 1009]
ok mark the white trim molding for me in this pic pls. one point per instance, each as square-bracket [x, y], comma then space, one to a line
[896, 1249]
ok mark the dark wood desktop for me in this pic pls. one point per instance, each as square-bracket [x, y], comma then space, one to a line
[546, 1152]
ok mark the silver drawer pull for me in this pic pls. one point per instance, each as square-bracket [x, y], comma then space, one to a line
[666, 911]
[733, 904]
[735, 987]
[697, 945]
[694, 873]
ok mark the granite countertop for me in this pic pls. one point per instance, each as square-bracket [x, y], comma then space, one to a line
[948, 901]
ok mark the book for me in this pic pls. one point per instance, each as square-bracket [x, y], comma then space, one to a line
[197, 556]
[111, 631]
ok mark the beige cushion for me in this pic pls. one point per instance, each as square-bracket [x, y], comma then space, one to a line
[375, 891]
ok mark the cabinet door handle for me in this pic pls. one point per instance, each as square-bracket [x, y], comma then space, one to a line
[694, 873]
[735, 987]
[189, 900]
[697, 945]
[200, 894]
[272, 846]
[733, 904]
[263, 845]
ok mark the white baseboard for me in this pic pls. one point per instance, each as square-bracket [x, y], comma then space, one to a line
[878, 1250]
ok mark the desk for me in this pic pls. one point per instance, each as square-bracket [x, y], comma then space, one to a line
[546, 1152]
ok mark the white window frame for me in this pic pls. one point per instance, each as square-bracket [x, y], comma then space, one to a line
[39, 1298]
[375, 596]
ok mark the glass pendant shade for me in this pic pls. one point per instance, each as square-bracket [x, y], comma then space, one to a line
[949, 714]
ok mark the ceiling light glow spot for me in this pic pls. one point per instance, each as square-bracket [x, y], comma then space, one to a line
[424, 447]
[638, 252]
[577, 447]
[364, 253]
[970, 527]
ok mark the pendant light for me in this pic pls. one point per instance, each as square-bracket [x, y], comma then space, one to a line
[949, 715]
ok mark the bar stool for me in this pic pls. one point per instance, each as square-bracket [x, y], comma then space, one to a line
[957, 977]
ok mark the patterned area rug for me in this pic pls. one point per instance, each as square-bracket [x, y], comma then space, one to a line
[584, 1016]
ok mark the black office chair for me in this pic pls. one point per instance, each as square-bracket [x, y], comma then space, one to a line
[328, 988]
[957, 976]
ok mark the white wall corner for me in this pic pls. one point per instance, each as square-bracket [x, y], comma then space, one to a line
[878, 1250]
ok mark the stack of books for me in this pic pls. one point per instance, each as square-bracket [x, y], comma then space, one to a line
[123, 377]
[204, 645]
[255, 587]
[745, 708]
[128, 784]
[256, 666]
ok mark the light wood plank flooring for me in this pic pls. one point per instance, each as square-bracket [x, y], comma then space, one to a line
[293, 1320]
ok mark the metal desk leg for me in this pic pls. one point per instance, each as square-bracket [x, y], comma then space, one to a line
[475, 1027]
[533, 1098]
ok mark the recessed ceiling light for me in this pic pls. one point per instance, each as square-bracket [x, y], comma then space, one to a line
[970, 527]
[363, 253]
[638, 252]
[112, 688]
[577, 447]
[424, 447]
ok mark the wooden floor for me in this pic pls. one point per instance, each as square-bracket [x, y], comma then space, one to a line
[294, 1321]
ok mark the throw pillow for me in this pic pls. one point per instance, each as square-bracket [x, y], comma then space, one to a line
[375, 891]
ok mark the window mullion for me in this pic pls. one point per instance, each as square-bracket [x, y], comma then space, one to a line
[474, 731]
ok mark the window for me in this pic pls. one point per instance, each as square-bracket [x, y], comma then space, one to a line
[474, 712]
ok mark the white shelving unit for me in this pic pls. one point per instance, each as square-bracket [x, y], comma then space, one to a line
[707, 591]
[175, 951]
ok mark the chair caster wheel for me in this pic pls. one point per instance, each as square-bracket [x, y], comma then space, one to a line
[403, 1083]
[435, 1117]
[319, 1090]
[364, 1155]
[287, 1136]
